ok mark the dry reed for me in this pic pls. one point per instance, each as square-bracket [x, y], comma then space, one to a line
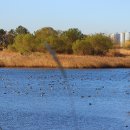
[11, 59]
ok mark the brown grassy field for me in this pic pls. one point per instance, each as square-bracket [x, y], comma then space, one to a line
[12, 59]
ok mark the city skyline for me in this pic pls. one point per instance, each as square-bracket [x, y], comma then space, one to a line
[89, 16]
[121, 38]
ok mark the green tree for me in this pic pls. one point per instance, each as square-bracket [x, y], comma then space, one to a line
[2, 38]
[24, 43]
[100, 43]
[97, 44]
[2, 32]
[21, 30]
[82, 47]
[48, 35]
[12, 32]
[45, 34]
[59, 46]
[69, 37]
[72, 34]
[10, 37]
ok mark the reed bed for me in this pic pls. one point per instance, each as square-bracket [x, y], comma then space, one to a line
[12, 59]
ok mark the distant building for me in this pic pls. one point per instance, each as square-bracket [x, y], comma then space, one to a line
[115, 37]
[127, 36]
[122, 39]
[112, 36]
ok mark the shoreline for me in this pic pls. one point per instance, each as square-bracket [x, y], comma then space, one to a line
[42, 60]
[111, 68]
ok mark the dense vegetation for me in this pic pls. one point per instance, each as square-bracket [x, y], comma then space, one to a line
[70, 41]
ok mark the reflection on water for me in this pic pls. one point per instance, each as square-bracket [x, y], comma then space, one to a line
[37, 99]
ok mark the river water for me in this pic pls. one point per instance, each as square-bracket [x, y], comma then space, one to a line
[41, 99]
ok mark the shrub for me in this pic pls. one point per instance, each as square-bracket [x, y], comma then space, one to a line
[82, 47]
[11, 47]
[97, 44]
[100, 44]
[24, 43]
[127, 45]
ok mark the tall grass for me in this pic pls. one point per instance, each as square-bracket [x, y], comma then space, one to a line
[11, 59]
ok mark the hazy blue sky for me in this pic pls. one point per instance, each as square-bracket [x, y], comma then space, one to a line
[89, 16]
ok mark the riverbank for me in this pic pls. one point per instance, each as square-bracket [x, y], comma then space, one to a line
[12, 59]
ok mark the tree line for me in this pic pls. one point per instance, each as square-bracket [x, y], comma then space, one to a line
[71, 41]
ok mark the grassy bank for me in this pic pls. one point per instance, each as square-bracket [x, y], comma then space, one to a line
[11, 59]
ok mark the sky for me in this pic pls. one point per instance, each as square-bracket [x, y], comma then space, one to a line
[89, 16]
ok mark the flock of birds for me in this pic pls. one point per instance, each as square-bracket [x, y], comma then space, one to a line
[47, 86]
[54, 84]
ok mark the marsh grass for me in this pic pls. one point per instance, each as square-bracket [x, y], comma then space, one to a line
[13, 59]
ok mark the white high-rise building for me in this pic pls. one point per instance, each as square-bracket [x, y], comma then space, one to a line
[122, 39]
[127, 36]
[115, 37]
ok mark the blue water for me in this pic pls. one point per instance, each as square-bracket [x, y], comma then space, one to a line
[41, 99]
